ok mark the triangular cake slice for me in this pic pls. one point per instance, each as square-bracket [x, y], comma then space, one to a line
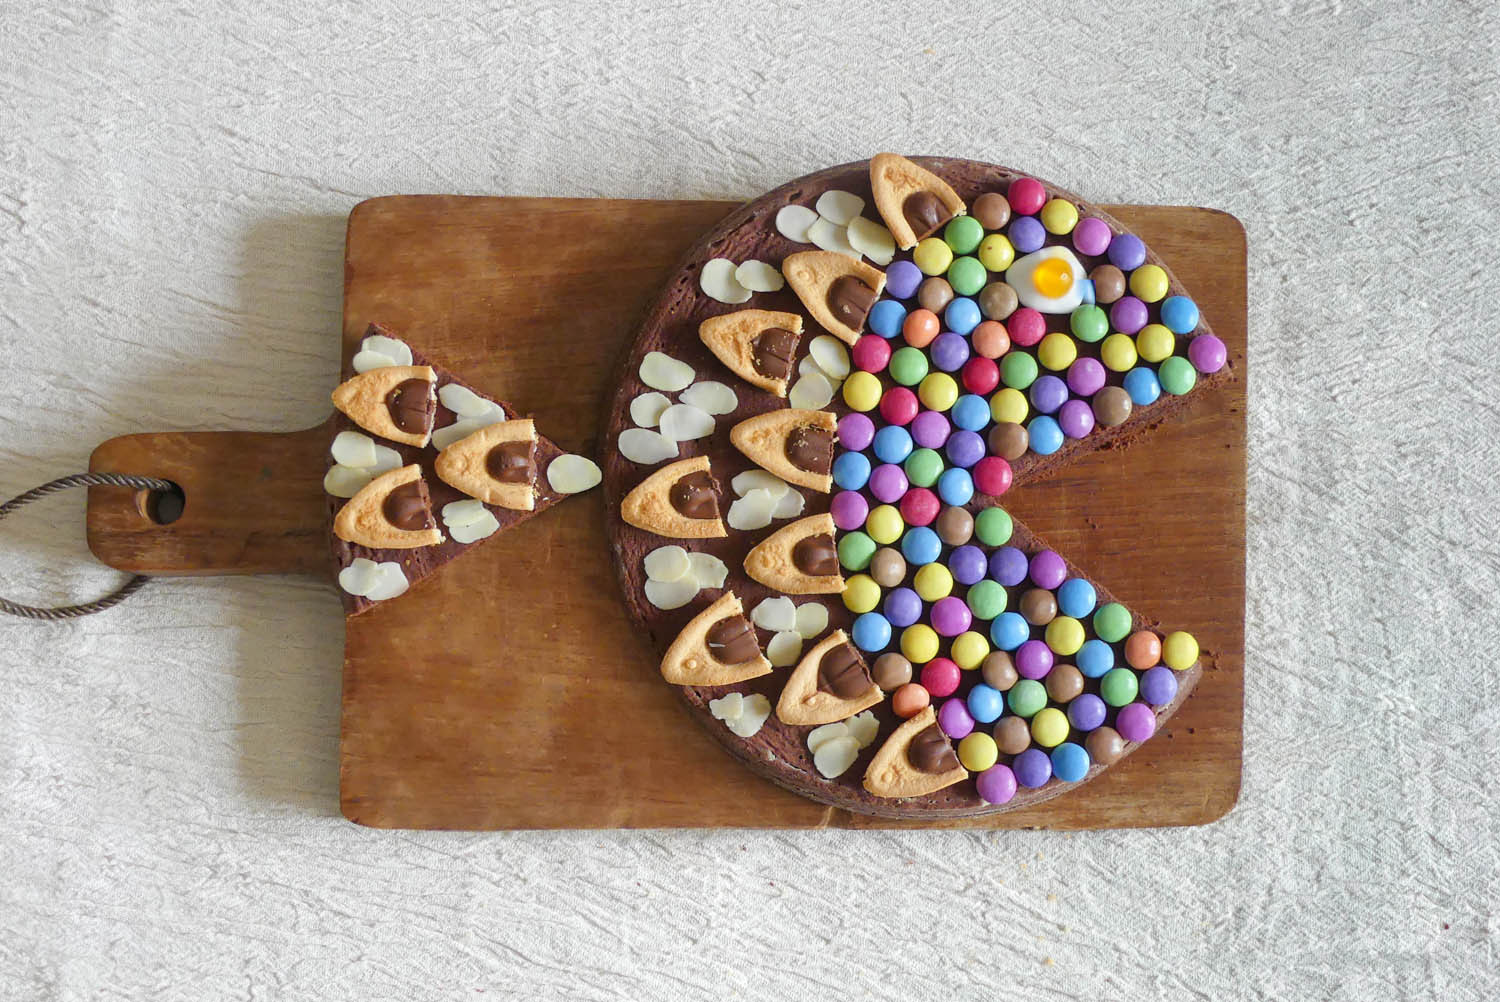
[717, 647]
[462, 520]
[756, 345]
[913, 201]
[836, 289]
[830, 683]
[679, 501]
[798, 559]
[795, 445]
[916, 759]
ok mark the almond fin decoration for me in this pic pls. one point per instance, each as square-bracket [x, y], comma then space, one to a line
[391, 512]
[756, 345]
[392, 402]
[913, 201]
[798, 559]
[830, 683]
[916, 759]
[717, 647]
[496, 464]
[679, 501]
[836, 289]
[795, 445]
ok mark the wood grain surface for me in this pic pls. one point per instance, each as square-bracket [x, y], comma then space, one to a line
[510, 692]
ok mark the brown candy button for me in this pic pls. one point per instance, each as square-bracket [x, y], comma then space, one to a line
[732, 641]
[849, 300]
[1105, 746]
[888, 568]
[930, 751]
[1112, 406]
[696, 496]
[992, 210]
[1012, 735]
[1009, 440]
[1038, 606]
[811, 449]
[955, 526]
[924, 212]
[997, 301]
[512, 462]
[999, 671]
[771, 352]
[842, 673]
[816, 556]
[1109, 283]
[1064, 683]
[406, 507]
[892, 671]
[412, 405]
[935, 294]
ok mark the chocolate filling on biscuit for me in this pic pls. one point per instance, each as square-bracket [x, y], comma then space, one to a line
[771, 352]
[816, 556]
[930, 751]
[406, 507]
[810, 448]
[924, 212]
[696, 496]
[512, 462]
[732, 641]
[842, 673]
[412, 405]
[849, 300]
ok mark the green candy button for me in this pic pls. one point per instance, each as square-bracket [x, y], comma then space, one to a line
[1111, 622]
[1177, 375]
[963, 235]
[923, 467]
[855, 551]
[908, 366]
[993, 526]
[1017, 369]
[986, 599]
[967, 275]
[1089, 323]
[1027, 697]
[1118, 687]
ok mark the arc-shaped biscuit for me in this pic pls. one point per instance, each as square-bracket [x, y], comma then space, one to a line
[906, 193]
[765, 438]
[365, 398]
[774, 562]
[689, 661]
[365, 519]
[891, 772]
[822, 280]
[650, 504]
[733, 338]
[804, 702]
[465, 464]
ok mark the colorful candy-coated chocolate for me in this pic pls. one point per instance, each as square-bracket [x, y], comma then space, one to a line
[1112, 406]
[1009, 566]
[934, 582]
[1059, 216]
[1118, 352]
[1047, 569]
[1105, 746]
[908, 366]
[971, 411]
[1057, 351]
[1026, 698]
[1109, 283]
[1033, 659]
[1009, 441]
[923, 467]
[948, 352]
[1127, 252]
[962, 315]
[1179, 651]
[1118, 687]
[964, 448]
[1026, 196]
[902, 279]
[994, 526]
[929, 429]
[1026, 327]
[996, 253]
[862, 390]
[1049, 727]
[996, 785]
[977, 752]
[1065, 636]
[940, 676]
[1207, 353]
[1018, 370]
[952, 716]
[849, 510]
[1038, 606]
[1149, 283]
[963, 234]
[969, 649]
[935, 294]
[1177, 375]
[920, 546]
[1143, 650]
[955, 486]
[1159, 686]
[1012, 734]
[1076, 418]
[1155, 342]
[985, 703]
[890, 671]
[902, 607]
[1027, 234]
[991, 209]
[1070, 763]
[886, 317]
[910, 700]
[919, 643]
[861, 593]
[851, 470]
[1009, 406]
[1128, 314]
[1142, 385]
[892, 444]
[920, 327]
[938, 391]
[899, 405]
[1179, 314]
[1086, 377]
[1033, 768]
[920, 506]
[998, 670]
[986, 598]
[855, 550]
[871, 632]
[932, 256]
[1086, 712]
[884, 523]
[1047, 393]
[981, 374]
[872, 353]
[888, 568]
[888, 483]
[967, 275]
[1076, 598]
[1135, 722]
[856, 431]
[1112, 622]
[1045, 435]
[1009, 631]
[1091, 237]
[1095, 658]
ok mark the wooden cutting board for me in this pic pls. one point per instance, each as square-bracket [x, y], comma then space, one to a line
[510, 691]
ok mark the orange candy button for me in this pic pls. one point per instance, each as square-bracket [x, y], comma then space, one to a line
[910, 700]
[1143, 650]
[990, 339]
[920, 327]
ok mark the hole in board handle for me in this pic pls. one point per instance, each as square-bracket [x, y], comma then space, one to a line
[161, 507]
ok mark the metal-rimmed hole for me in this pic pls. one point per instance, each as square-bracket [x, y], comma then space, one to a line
[163, 507]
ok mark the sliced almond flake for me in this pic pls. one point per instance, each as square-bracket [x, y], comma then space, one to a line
[390, 581]
[346, 481]
[839, 207]
[665, 373]
[481, 528]
[667, 563]
[647, 447]
[812, 619]
[792, 222]
[464, 427]
[777, 614]
[758, 479]
[831, 355]
[359, 577]
[711, 396]
[830, 237]
[708, 570]
[784, 649]
[386, 458]
[819, 736]
[835, 757]
[668, 595]
[350, 448]
[463, 401]
[812, 392]
[790, 505]
[394, 348]
[758, 276]
[457, 514]
[756, 709]
[646, 409]
[366, 360]
[872, 240]
[727, 707]
[573, 474]
[718, 282]
[684, 422]
[753, 511]
[863, 727]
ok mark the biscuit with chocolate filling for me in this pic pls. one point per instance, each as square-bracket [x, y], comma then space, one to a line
[830, 683]
[391, 512]
[717, 647]
[795, 445]
[914, 202]
[496, 464]
[756, 345]
[391, 402]
[679, 501]
[916, 759]
[798, 559]
[836, 289]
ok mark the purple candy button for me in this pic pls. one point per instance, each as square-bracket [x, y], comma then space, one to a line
[1027, 234]
[1159, 685]
[950, 616]
[967, 564]
[1135, 722]
[1128, 315]
[965, 448]
[1032, 768]
[955, 720]
[1008, 566]
[930, 429]
[902, 279]
[1207, 353]
[1087, 711]
[856, 431]
[849, 510]
[949, 351]
[888, 483]
[1048, 570]
[1033, 659]
[1090, 236]
[1085, 377]
[996, 785]
[1075, 418]
[1048, 393]
[1126, 252]
[903, 607]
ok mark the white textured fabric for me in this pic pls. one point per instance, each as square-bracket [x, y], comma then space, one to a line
[173, 186]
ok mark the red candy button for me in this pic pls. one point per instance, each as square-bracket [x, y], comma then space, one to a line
[898, 406]
[992, 476]
[1026, 196]
[872, 353]
[981, 375]
[940, 677]
[1026, 327]
[919, 506]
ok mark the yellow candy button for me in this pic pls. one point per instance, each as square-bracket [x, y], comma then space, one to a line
[978, 751]
[937, 391]
[1148, 282]
[1049, 728]
[1118, 352]
[884, 524]
[1179, 651]
[1064, 635]
[862, 390]
[1059, 216]
[932, 582]
[919, 643]
[1057, 351]
[969, 649]
[1155, 342]
[932, 256]
[995, 252]
[1009, 405]
[861, 594]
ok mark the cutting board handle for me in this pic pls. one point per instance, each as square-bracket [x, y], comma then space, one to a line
[252, 503]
